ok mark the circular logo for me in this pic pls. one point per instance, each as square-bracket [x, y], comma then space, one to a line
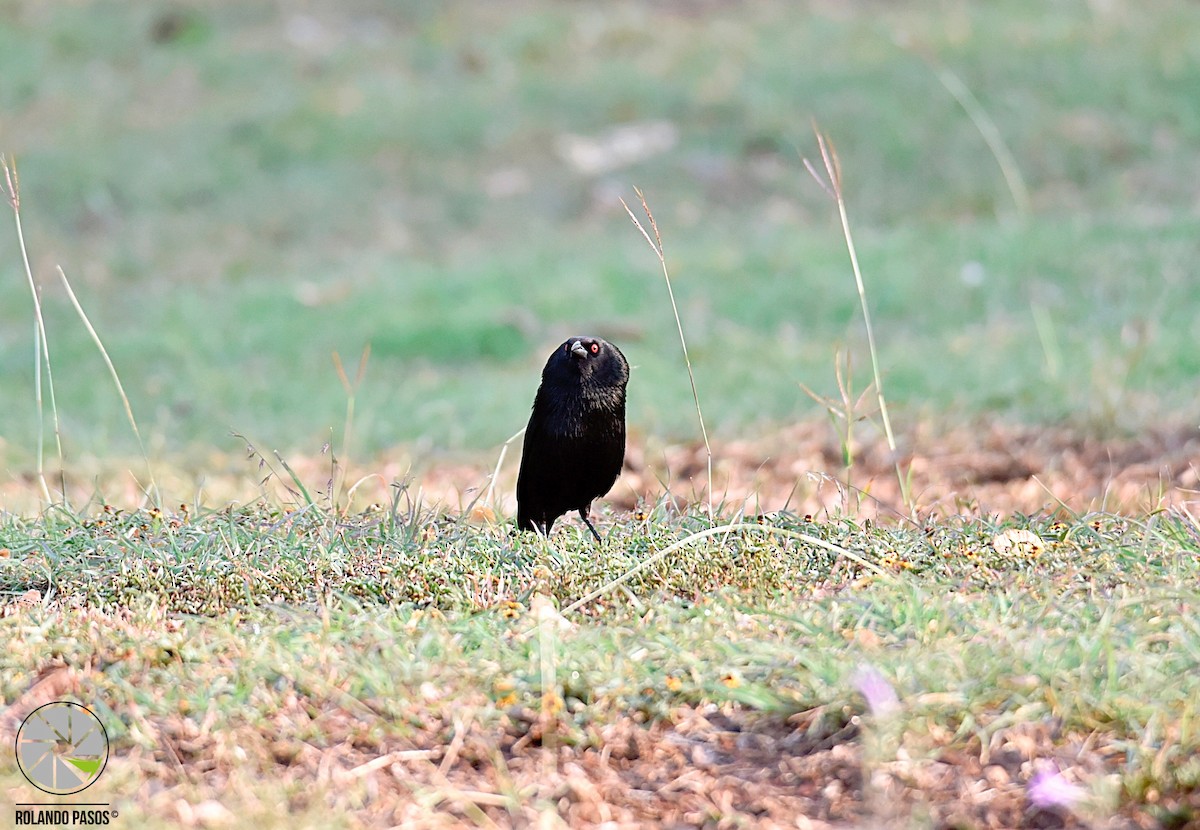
[62, 748]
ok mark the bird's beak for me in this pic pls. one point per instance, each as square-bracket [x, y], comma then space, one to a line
[578, 350]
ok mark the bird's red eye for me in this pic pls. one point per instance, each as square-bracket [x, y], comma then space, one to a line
[595, 348]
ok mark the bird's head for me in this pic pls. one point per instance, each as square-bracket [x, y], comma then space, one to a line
[590, 361]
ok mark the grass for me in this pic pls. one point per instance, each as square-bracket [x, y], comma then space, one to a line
[213, 633]
[389, 186]
[349, 197]
[226, 560]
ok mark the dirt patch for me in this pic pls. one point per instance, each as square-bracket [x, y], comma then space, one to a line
[702, 766]
[459, 762]
[980, 470]
[973, 470]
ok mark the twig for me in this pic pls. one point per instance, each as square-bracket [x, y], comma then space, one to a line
[387, 760]
[456, 742]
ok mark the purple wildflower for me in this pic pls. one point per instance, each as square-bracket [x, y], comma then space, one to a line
[1049, 789]
[881, 697]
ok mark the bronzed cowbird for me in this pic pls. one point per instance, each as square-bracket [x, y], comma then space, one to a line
[575, 441]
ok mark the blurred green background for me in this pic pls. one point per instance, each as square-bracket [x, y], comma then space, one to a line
[238, 190]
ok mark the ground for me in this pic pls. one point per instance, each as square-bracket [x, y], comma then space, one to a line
[700, 766]
[978, 469]
[465, 757]
[270, 192]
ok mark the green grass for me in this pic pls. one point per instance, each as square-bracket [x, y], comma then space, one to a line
[238, 191]
[238, 557]
[240, 620]
[233, 203]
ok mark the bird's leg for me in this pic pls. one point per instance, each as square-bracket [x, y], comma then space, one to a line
[583, 514]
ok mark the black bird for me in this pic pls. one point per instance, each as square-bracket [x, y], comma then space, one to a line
[575, 441]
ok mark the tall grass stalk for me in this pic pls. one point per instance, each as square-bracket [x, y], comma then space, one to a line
[491, 488]
[339, 477]
[1044, 324]
[657, 246]
[41, 349]
[112, 370]
[844, 413]
[833, 186]
[294, 476]
[991, 135]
